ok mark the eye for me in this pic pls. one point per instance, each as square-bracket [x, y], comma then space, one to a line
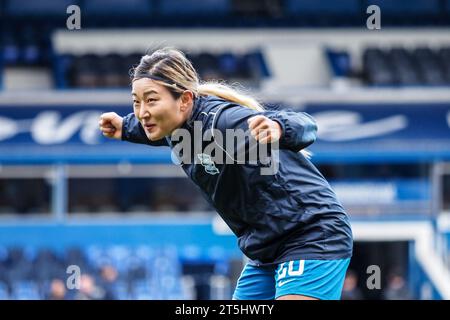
[151, 100]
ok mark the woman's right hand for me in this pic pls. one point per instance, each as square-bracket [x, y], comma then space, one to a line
[111, 125]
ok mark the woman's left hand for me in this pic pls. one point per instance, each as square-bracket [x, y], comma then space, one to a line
[264, 130]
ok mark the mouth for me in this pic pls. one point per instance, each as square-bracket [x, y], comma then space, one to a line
[149, 126]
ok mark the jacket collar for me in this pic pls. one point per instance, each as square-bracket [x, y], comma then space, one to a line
[189, 123]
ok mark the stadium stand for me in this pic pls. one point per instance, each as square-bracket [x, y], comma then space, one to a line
[380, 98]
[114, 272]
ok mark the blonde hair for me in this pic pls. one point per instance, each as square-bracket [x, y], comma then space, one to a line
[228, 93]
[171, 68]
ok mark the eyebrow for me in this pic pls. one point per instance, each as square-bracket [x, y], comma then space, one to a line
[146, 93]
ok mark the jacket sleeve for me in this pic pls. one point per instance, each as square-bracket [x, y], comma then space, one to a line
[299, 128]
[133, 131]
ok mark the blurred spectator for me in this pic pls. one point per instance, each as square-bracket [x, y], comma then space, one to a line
[350, 290]
[89, 290]
[57, 290]
[397, 288]
[446, 192]
[108, 279]
[268, 8]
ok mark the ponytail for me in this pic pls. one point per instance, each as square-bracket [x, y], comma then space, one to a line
[230, 94]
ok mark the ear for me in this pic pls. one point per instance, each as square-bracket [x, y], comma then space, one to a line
[187, 98]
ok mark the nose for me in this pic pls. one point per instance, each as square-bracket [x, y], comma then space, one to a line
[143, 112]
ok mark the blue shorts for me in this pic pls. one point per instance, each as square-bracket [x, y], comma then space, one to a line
[321, 279]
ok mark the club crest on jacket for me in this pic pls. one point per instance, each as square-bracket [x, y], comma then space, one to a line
[207, 163]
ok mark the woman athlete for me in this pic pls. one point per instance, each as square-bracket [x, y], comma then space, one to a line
[289, 224]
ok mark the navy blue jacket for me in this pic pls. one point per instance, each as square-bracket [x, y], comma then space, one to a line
[291, 215]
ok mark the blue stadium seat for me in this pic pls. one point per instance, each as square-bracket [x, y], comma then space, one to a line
[191, 252]
[4, 293]
[47, 266]
[205, 62]
[261, 61]
[216, 253]
[3, 254]
[38, 8]
[118, 253]
[75, 255]
[323, 7]
[97, 256]
[228, 64]
[429, 66]
[11, 53]
[194, 7]
[26, 290]
[118, 7]
[404, 66]
[85, 71]
[119, 258]
[412, 7]
[340, 62]
[377, 69]
[170, 286]
[170, 252]
[162, 264]
[112, 68]
[140, 262]
[444, 54]
[145, 253]
[168, 282]
[132, 59]
[143, 290]
[248, 66]
[121, 290]
[136, 269]
[444, 58]
[61, 66]
[18, 264]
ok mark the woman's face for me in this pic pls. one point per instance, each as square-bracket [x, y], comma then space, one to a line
[158, 112]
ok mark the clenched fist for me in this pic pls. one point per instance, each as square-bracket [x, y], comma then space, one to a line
[264, 130]
[111, 125]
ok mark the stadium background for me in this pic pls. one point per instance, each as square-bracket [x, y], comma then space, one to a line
[133, 223]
